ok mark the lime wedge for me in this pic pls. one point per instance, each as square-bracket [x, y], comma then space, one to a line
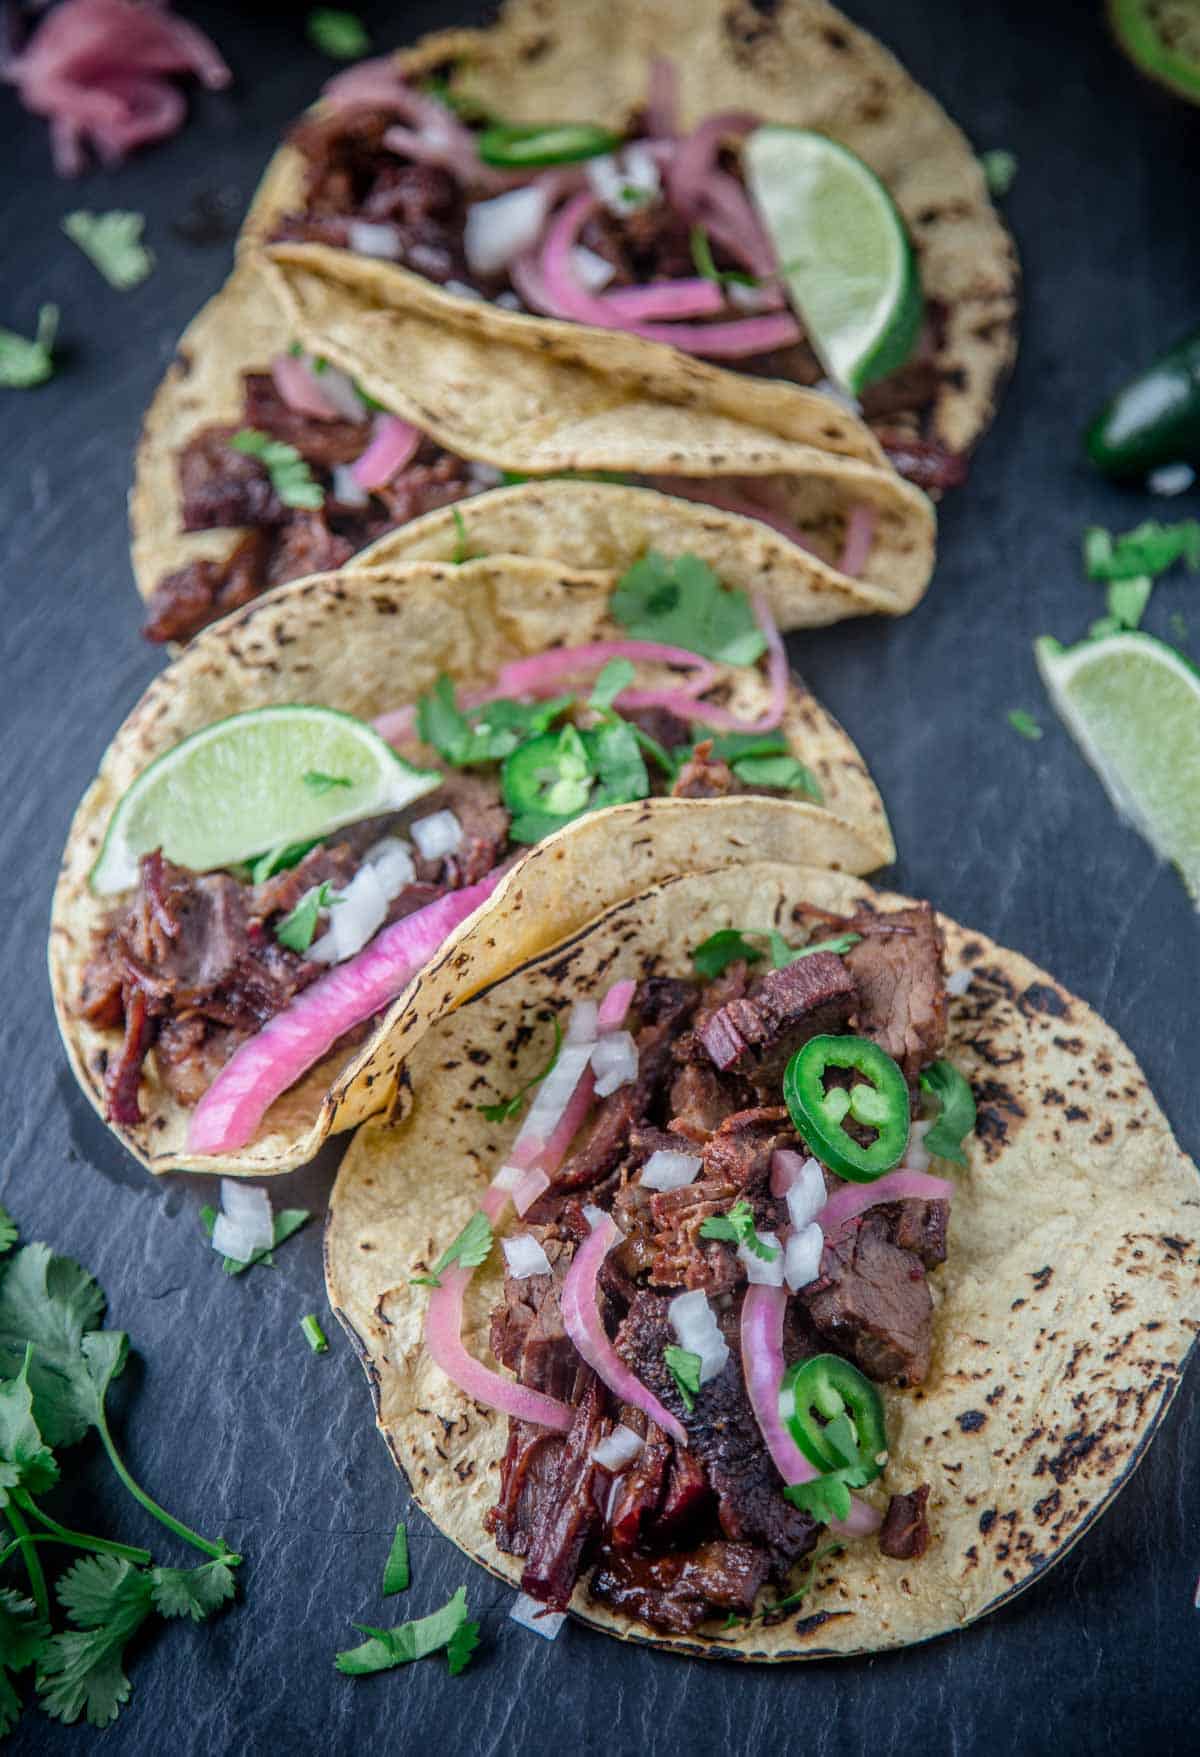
[251, 782]
[1162, 37]
[846, 261]
[1133, 707]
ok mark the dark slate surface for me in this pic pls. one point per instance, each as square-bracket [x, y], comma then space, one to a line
[224, 1412]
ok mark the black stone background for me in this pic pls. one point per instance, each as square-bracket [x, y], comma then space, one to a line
[223, 1412]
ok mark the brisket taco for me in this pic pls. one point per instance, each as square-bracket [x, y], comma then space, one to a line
[339, 781]
[846, 1268]
[558, 167]
[261, 461]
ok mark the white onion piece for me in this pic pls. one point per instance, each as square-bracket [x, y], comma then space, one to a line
[462, 290]
[507, 301]
[392, 865]
[614, 1062]
[807, 1195]
[614, 1490]
[358, 913]
[758, 1270]
[340, 390]
[244, 1223]
[597, 1216]
[696, 1327]
[550, 1099]
[371, 239]
[623, 185]
[802, 1257]
[485, 475]
[746, 298]
[916, 1154]
[665, 1170]
[959, 982]
[1171, 479]
[347, 488]
[439, 833]
[641, 168]
[525, 1256]
[531, 1614]
[592, 271]
[584, 1023]
[499, 229]
[618, 1449]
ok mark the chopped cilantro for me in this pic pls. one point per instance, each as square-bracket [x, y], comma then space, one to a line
[317, 782]
[1127, 599]
[113, 242]
[620, 771]
[395, 1569]
[784, 772]
[392, 1647]
[684, 1368]
[1103, 627]
[286, 1222]
[617, 675]
[702, 257]
[506, 1108]
[1150, 548]
[25, 363]
[732, 746]
[827, 1497]
[489, 733]
[290, 475]
[461, 1647]
[462, 543]
[280, 859]
[956, 1111]
[720, 949]
[782, 954]
[1023, 722]
[340, 35]
[999, 170]
[680, 601]
[23, 1636]
[469, 1249]
[737, 1227]
[313, 1333]
[298, 927]
[192, 1592]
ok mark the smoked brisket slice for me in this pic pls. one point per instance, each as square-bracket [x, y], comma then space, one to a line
[904, 1534]
[757, 1034]
[872, 1303]
[898, 973]
[677, 1592]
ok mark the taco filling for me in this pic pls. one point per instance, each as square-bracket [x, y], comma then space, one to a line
[725, 1238]
[241, 974]
[652, 232]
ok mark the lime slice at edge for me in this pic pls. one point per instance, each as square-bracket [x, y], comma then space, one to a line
[253, 781]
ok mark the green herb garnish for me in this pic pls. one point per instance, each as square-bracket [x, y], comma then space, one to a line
[702, 257]
[489, 733]
[827, 1497]
[680, 601]
[784, 772]
[280, 859]
[1023, 722]
[617, 675]
[395, 1569]
[469, 1249]
[297, 928]
[1150, 548]
[284, 1224]
[113, 242]
[290, 475]
[8, 1232]
[462, 543]
[684, 1368]
[1127, 599]
[782, 954]
[737, 1227]
[448, 1628]
[313, 1334]
[999, 170]
[507, 1108]
[340, 35]
[24, 363]
[721, 949]
[956, 1111]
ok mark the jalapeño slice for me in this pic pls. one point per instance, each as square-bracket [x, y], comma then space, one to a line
[879, 1101]
[550, 780]
[834, 1414]
[551, 143]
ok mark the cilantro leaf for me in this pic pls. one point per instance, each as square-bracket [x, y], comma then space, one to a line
[506, 1108]
[285, 1223]
[24, 363]
[827, 1497]
[720, 950]
[706, 267]
[782, 954]
[26, 1462]
[784, 772]
[737, 1227]
[113, 242]
[1127, 599]
[340, 35]
[317, 782]
[8, 1232]
[684, 1368]
[290, 475]
[1023, 722]
[81, 1670]
[999, 170]
[1103, 627]
[191, 1592]
[681, 602]
[23, 1635]
[278, 859]
[411, 1641]
[956, 1111]
[494, 731]
[620, 768]
[298, 928]
[395, 1569]
[50, 1302]
[1149, 549]
[617, 675]
[461, 1647]
[470, 1249]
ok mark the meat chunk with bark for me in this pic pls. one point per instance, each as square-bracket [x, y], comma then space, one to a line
[615, 1116]
[677, 1593]
[322, 443]
[187, 600]
[920, 1227]
[872, 1303]
[221, 487]
[904, 1534]
[739, 1152]
[704, 776]
[681, 1258]
[699, 1102]
[757, 1035]
[901, 984]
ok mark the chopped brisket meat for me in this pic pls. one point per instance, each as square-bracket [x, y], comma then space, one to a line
[739, 1152]
[123, 1075]
[567, 1515]
[872, 1302]
[920, 1227]
[704, 776]
[757, 1035]
[305, 545]
[924, 461]
[423, 487]
[678, 1592]
[681, 1258]
[322, 443]
[220, 487]
[699, 1102]
[904, 1534]
[189, 599]
[662, 725]
[900, 982]
[642, 1486]
[687, 1500]
[614, 1117]
[476, 803]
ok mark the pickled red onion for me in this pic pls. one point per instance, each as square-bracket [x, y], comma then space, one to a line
[395, 444]
[300, 388]
[682, 298]
[691, 168]
[854, 1199]
[700, 489]
[543, 673]
[860, 534]
[662, 98]
[443, 1339]
[289, 1044]
[584, 1325]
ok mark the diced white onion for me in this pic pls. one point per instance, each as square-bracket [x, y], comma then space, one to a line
[244, 1223]
[807, 1196]
[347, 488]
[696, 1327]
[595, 1216]
[552, 1096]
[959, 982]
[916, 1155]
[439, 833]
[591, 270]
[338, 389]
[484, 475]
[614, 1062]
[583, 1025]
[508, 1177]
[614, 1490]
[620, 1448]
[531, 1614]
[392, 865]
[665, 1170]
[357, 914]
[802, 1257]
[462, 289]
[499, 229]
[525, 1256]
[625, 184]
[1171, 479]
[641, 168]
[758, 1270]
[369, 238]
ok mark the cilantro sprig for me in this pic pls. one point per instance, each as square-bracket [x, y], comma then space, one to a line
[506, 1108]
[469, 1249]
[1022, 721]
[299, 926]
[340, 35]
[684, 1367]
[730, 944]
[955, 1102]
[679, 601]
[113, 243]
[449, 1628]
[737, 1227]
[486, 734]
[290, 475]
[24, 363]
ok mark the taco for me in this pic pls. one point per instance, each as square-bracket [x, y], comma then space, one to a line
[253, 885]
[622, 198]
[828, 1328]
[260, 461]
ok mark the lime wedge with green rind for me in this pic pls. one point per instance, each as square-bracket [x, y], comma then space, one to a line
[253, 781]
[1132, 704]
[1162, 37]
[846, 259]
